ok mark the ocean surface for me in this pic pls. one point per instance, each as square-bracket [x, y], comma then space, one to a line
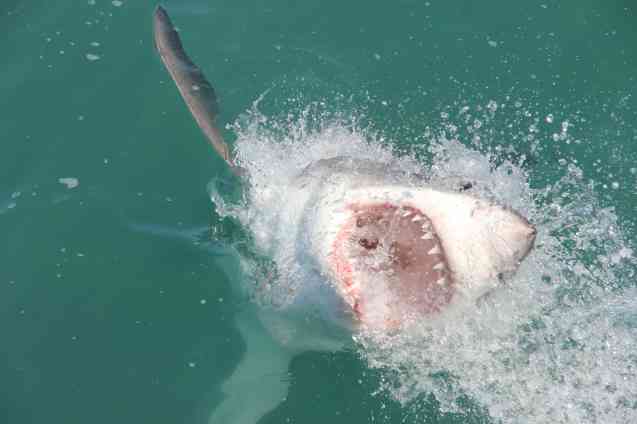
[122, 244]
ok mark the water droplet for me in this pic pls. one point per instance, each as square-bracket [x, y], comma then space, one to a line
[69, 182]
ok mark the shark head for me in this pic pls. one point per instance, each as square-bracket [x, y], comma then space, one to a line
[398, 254]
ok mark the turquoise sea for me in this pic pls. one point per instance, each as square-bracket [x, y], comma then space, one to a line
[118, 274]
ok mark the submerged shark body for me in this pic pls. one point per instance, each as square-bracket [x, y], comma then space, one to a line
[375, 249]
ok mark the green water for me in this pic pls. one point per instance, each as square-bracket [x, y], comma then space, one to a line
[102, 322]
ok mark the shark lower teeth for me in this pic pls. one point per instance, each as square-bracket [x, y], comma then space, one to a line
[434, 250]
[354, 287]
[442, 281]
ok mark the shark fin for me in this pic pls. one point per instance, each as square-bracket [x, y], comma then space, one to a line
[260, 381]
[193, 86]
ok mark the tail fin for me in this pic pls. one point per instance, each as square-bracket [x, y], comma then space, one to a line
[260, 382]
[195, 89]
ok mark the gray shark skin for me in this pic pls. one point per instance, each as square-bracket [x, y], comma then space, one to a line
[374, 249]
[199, 95]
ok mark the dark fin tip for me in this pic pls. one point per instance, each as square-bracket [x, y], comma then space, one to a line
[467, 185]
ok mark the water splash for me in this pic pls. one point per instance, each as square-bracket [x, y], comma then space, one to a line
[556, 344]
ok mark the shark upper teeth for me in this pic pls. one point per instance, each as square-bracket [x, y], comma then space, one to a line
[439, 266]
[434, 250]
[417, 218]
[427, 236]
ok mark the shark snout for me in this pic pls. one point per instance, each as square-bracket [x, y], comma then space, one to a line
[525, 237]
[508, 233]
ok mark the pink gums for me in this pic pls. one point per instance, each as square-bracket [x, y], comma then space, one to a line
[421, 278]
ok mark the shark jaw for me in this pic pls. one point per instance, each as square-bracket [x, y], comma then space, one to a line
[387, 257]
[397, 255]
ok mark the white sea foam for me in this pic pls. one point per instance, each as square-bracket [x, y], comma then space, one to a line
[555, 344]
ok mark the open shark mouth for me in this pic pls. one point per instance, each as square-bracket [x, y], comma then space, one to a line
[390, 265]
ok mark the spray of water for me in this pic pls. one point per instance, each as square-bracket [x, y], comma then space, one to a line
[557, 343]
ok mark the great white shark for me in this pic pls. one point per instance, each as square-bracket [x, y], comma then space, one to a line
[383, 252]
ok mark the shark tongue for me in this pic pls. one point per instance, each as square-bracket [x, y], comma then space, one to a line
[390, 265]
